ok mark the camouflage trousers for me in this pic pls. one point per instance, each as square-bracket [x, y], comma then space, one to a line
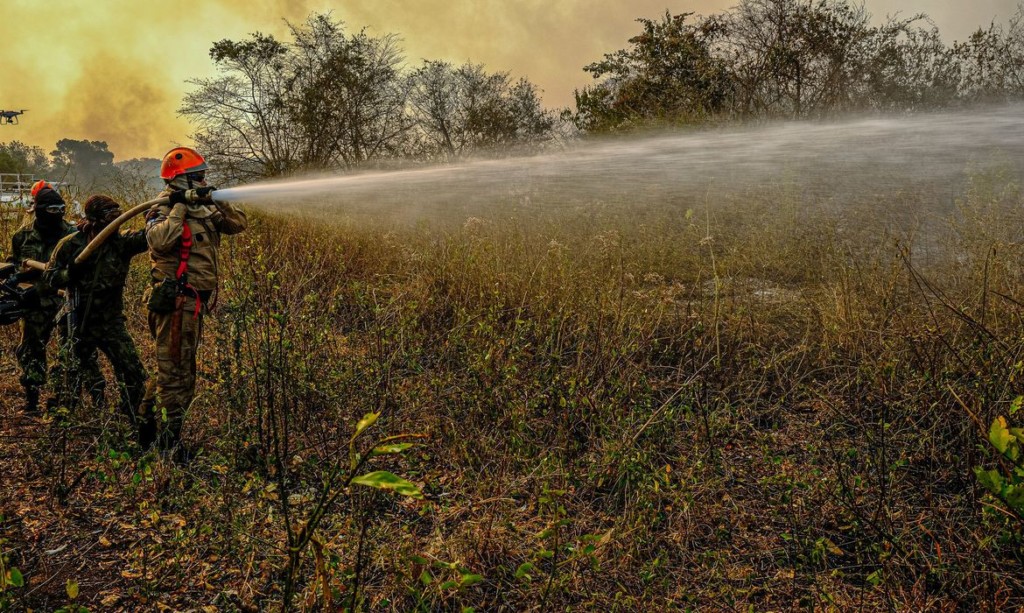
[36, 330]
[168, 398]
[111, 337]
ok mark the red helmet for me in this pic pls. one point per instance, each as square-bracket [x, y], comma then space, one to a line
[37, 186]
[181, 161]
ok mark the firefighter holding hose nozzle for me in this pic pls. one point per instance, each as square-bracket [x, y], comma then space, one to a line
[32, 245]
[184, 241]
[95, 306]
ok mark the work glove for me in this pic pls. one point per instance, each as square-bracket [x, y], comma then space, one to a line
[177, 197]
[203, 194]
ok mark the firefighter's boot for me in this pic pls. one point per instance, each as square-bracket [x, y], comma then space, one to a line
[31, 401]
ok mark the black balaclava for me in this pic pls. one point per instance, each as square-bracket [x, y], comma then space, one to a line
[49, 209]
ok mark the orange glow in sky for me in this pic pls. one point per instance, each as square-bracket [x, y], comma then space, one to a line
[115, 70]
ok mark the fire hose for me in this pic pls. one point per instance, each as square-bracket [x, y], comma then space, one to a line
[115, 225]
[12, 298]
[104, 234]
[190, 195]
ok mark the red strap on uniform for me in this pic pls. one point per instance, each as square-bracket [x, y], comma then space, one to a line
[186, 250]
[183, 255]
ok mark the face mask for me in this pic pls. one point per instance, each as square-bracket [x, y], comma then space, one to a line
[189, 181]
[48, 219]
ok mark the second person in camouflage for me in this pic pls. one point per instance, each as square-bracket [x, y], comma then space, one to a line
[96, 292]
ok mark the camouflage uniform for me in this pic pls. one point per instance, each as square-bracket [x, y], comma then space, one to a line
[28, 243]
[98, 317]
[176, 351]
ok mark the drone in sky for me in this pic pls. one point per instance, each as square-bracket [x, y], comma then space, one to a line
[10, 117]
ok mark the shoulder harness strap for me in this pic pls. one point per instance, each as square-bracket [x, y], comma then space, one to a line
[183, 254]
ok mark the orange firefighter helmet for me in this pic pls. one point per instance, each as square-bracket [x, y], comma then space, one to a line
[181, 161]
[38, 186]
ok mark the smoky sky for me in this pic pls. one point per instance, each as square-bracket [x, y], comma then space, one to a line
[115, 70]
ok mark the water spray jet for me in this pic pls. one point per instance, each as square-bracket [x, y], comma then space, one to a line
[827, 161]
[841, 159]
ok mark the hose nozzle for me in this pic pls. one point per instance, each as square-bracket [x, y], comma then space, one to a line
[200, 195]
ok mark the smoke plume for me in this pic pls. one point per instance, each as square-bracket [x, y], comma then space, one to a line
[116, 70]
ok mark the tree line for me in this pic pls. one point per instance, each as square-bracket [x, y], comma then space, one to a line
[796, 59]
[327, 99]
[81, 167]
[70, 158]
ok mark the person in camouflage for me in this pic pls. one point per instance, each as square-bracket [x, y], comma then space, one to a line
[184, 242]
[96, 297]
[36, 241]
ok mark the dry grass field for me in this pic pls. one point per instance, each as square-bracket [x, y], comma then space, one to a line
[759, 401]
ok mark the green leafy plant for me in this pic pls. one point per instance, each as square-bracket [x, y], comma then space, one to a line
[71, 589]
[438, 581]
[10, 577]
[557, 551]
[1006, 481]
[336, 485]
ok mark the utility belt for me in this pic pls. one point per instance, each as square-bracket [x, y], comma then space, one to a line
[172, 294]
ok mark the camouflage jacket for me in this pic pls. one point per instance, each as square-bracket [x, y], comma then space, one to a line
[99, 286]
[30, 244]
[207, 223]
